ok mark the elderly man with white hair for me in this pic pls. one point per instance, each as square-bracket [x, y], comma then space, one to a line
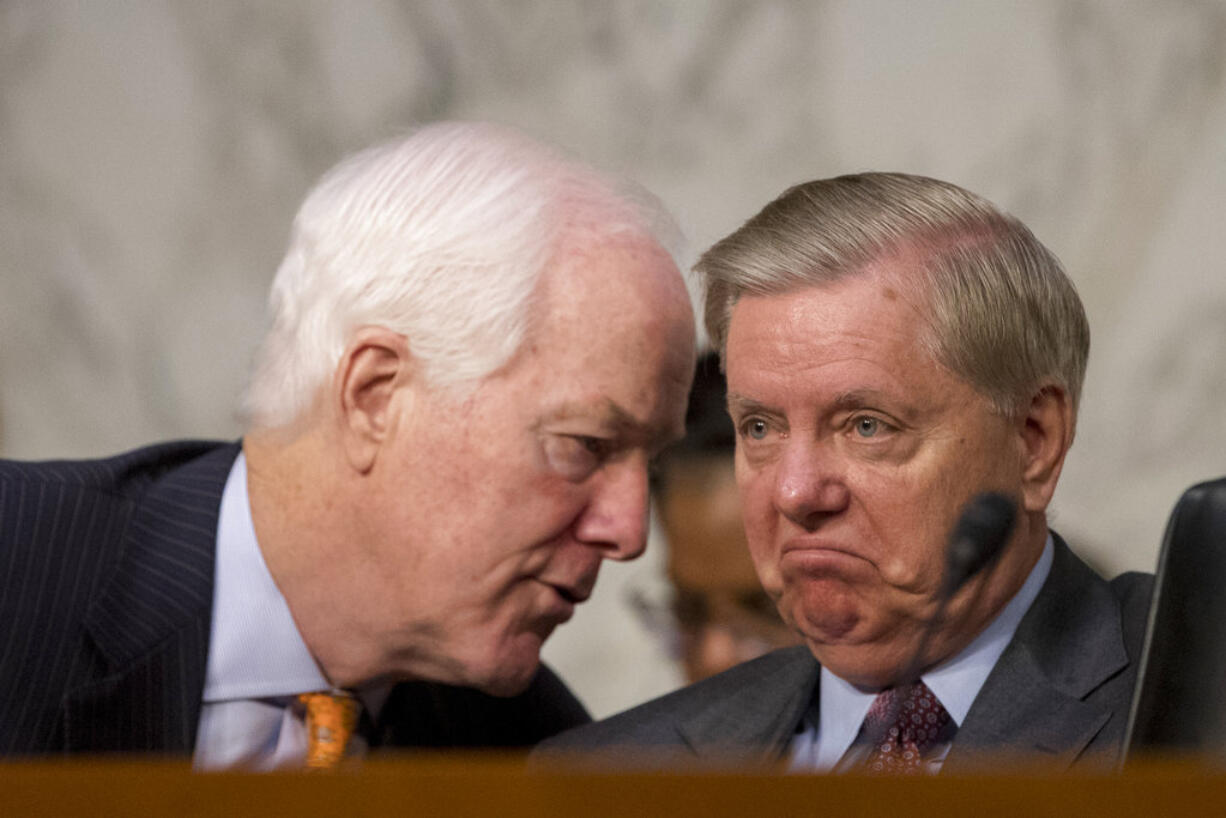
[476, 347]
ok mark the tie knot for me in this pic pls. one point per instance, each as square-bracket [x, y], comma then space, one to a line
[904, 724]
[330, 719]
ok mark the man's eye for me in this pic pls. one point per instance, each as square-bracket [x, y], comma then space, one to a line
[755, 428]
[576, 456]
[869, 426]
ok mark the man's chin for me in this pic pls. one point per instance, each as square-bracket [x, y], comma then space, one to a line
[822, 618]
[845, 643]
[510, 674]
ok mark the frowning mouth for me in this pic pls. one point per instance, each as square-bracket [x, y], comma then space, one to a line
[810, 556]
[818, 546]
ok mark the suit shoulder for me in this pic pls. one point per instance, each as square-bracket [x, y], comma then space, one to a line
[1133, 587]
[65, 521]
[653, 723]
[126, 474]
[1133, 590]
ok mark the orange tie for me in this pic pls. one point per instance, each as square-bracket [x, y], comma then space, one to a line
[330, 719]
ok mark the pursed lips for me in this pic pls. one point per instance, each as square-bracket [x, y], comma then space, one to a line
[805, 548]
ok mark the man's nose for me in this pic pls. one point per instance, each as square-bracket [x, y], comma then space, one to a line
[616, 515]
[809, 484]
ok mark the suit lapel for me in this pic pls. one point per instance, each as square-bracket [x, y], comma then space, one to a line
[1069, 643]
[755, 716]
[150, 623]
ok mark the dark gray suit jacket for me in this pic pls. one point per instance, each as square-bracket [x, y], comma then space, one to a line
[1060, 691]
[106, 595]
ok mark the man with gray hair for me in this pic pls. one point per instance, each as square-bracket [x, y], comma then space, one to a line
[895, 347]
[476, 347]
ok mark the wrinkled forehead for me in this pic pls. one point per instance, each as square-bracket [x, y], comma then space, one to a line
[611, 338]
[893, 283]
[862, 332]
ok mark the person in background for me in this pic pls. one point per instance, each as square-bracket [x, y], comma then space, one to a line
[476, 346]
[722, 614]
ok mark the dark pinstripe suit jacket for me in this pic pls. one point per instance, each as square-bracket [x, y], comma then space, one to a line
[106, 591]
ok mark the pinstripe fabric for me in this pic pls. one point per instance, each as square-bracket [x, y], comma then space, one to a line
[106, 581]
[106, 590]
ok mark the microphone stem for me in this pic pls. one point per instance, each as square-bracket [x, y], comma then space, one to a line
[914, 669]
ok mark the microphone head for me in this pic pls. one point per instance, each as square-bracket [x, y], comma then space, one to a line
[978, 538]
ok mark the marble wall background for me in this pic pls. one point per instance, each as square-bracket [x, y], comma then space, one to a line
[153, 153]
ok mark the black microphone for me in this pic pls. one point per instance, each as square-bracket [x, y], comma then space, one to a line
[977, 539]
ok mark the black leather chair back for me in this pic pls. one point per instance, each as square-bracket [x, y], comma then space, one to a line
[1180, 702]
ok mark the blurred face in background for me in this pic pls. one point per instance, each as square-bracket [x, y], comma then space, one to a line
[723, 614]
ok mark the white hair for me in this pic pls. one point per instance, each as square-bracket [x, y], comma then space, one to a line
[441, 236]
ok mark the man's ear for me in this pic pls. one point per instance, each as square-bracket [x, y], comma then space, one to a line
[375, 364]
[1047, 433]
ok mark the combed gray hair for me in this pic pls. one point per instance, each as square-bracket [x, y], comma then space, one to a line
[1004, 316]
[442, 236]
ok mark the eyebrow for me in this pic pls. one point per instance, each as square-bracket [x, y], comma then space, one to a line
[857, 399]
[843, 402]
[740, 403]
[860, 398]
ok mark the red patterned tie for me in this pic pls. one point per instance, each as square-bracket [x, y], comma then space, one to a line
[919, 723]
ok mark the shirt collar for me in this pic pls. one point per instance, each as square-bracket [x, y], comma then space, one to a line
[956, 683]
[255, 649]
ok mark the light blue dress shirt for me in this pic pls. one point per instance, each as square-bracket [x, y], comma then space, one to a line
[257, 660]
[842, 707]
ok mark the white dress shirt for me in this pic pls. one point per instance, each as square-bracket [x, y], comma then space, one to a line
[257, 661]
[842, 707]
